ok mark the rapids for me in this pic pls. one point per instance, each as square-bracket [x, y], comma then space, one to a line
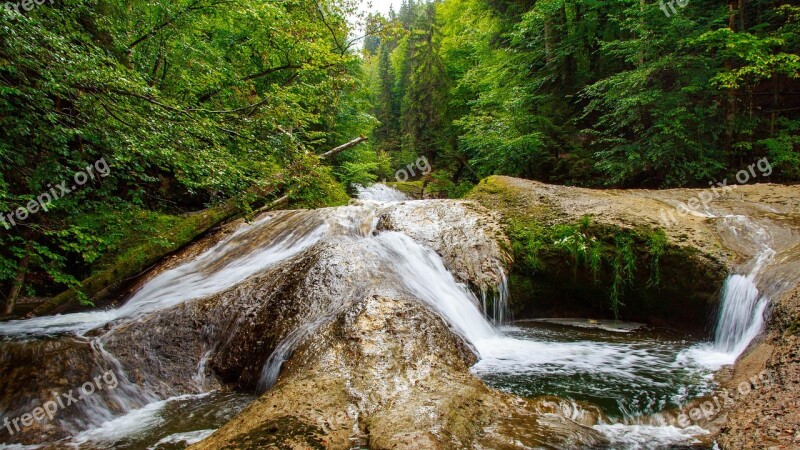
[631, 378]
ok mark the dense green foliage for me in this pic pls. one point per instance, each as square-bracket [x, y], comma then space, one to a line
[591, 92]
[192, 103]
[188, 105]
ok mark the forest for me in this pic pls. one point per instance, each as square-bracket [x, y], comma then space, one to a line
[129, 128]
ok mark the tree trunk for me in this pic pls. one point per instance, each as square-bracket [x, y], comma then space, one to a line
[742, 26]
[642, 8]
[344, 147]
[775, 101]
[548, 43]
[16, 287]
[731, 113]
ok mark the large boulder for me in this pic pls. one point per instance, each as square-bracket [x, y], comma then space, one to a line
[390, 373]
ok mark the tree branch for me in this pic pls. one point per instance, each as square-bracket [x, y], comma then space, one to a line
[263, 73]
[344, 147]
[341, 48]
[285, 199]
[190, 8]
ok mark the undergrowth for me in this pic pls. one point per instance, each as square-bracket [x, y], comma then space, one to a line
[607, 253]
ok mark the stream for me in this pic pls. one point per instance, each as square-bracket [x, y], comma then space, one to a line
[631, 373]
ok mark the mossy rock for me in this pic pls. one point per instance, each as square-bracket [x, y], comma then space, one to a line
[412, 189]
[571, 266]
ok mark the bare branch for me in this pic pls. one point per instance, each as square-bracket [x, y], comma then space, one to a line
[344, 147]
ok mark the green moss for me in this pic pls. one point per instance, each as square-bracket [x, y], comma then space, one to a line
[580, 267]
[411, 188]
[595, 248]
[316, 187]
[136, 255]
[152, 236]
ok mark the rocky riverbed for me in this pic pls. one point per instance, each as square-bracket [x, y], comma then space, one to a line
[360, 324]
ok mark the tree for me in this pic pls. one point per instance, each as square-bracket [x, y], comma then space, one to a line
[423, 105]
[191, 103]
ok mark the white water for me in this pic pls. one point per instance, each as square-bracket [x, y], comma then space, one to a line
[195, 279]
[188, 438]
[179, 420]
[510, 355]
[420, 273]
[741, 316]
[272, 368]
[234, 259]
[650, 437]
[136, 421]
[424, 275]
[380, 193]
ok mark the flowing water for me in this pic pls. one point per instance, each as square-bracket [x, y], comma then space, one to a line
[161, 425]
[199, 278]
[627, 374]
[380, 193]
[743, 308]
[631, 375]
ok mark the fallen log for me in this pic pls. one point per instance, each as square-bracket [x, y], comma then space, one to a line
[344, 147]
[285, 199]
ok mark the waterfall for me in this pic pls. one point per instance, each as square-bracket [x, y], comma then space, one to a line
[380, 193]
[236, 258]
[423, 274]
[496, 306]
[360, 259]
[741, 315]
[416, 271]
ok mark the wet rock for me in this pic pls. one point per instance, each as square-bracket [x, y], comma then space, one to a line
[719, 239]
[700, 250]
[770, 413]
[242, 334]
[393, 373]
[465, 234]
